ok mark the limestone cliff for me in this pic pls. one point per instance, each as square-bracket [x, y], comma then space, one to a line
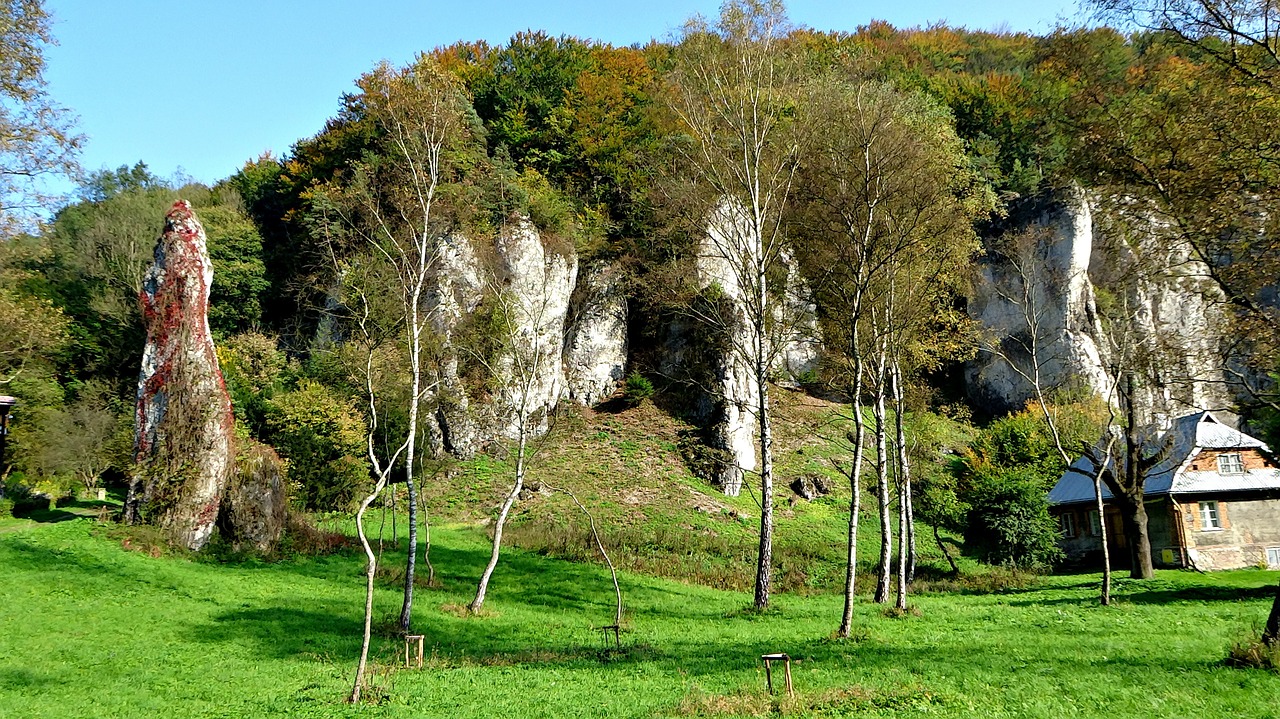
[1084, 250]
[718, 359]
[509, 349]
[595, 345]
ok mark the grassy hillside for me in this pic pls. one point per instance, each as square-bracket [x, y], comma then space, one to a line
[627, 467]
[92, 629]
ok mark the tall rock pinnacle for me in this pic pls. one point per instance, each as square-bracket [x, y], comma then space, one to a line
[183, 441]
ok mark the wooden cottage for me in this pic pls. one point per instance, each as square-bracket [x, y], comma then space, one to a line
[1212, 503]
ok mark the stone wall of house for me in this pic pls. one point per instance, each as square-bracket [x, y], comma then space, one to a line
[1085, 547]
[1249, 527]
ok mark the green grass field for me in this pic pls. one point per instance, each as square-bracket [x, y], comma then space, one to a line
[91, 628]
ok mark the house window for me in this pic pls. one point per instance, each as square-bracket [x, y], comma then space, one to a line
[1209, 516]
[1095, 525]
[1067, 521]
[1273, 557]
[1229, 463]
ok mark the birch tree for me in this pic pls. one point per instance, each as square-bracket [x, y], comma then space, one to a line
[526, 325]
[1035, 350]
[734, 90]
[369, 344]
[383, 221]
[886, 210]
[422, 114]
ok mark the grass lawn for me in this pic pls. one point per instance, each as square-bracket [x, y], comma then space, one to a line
[93, 629]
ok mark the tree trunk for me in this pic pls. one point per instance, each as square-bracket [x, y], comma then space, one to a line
[855, 503]
[906, 546]
[382, 525]
[950, 560]
[900, 578]
[1105, 599]
[371, 570]
[1135, 525]
[1133, 511]
[411, 564]
[882, 488]
[764, 562]
[911, 532]
[1271, 634]
[483, 588]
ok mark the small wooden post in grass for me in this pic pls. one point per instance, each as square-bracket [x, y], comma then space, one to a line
[617, 638]
[409, 639]
[768, 671]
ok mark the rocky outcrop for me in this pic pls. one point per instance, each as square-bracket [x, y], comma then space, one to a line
[452, 298]
[1077, 248]
[254, 509]
[1037, 292]
[810, 486]
[534, 287]
[500, 316]
[183, 424]
[595, 347]
[718, 359]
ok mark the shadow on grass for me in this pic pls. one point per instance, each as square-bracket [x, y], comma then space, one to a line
[1157, 591]
[283, 632]
[15, 678]
[65, 511]
[48, 559]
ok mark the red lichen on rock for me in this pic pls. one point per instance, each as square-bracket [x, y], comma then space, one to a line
[184, 425]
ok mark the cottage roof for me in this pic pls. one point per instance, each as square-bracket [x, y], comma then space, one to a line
[1187, 437]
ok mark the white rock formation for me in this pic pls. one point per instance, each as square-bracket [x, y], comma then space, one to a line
[521, 286]
[724, 260]
[1086, 245]
[1047, 293]
[595, 347]
[534, 286]
[1179, 317]
[453, 295]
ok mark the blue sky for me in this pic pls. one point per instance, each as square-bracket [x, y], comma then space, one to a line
[204, 86]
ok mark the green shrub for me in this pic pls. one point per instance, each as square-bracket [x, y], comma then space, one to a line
[637, 388]
[254, 370]
[548, 208]
[1008, 520]
[809, 379]
[1003, 480]
[6, 508]
[321, 436]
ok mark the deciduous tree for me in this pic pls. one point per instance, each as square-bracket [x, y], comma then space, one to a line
[734, 89]
[36, 137]
[887, 208]
[390, 211]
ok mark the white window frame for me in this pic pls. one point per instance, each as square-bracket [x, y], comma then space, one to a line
[1095, 524]
[1210, 516]
[1230, 463]
[1067, 524]
[1273, 557]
